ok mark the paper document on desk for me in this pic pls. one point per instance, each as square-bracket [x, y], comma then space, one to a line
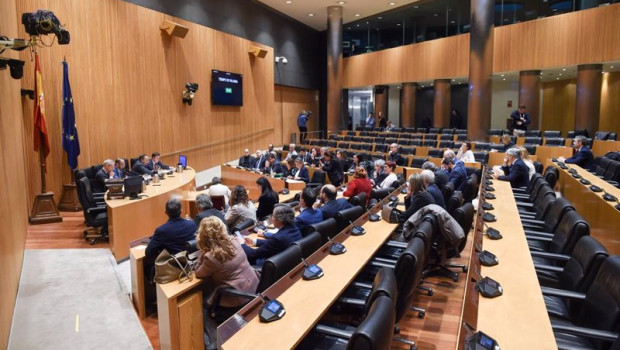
[292, 181]
[273, 231]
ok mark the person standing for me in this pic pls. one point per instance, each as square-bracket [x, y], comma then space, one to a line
[370, 121]
[302, 123]
[520, 121]
[382, 120]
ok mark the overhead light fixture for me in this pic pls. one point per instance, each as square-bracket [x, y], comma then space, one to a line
[416, 6]
[502, 75]
[398, 24]
[357, 15]
[392, 3]
[341, 2]
[311, 14]
[452, 22]
[557, 78]
[379, 17]
[504, 79]
[563, 69]
[435, 14]
[612, 67]
[289, 2]
[560, 74]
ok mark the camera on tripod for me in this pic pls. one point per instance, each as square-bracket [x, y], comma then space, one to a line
[44, 22]
[188, 94]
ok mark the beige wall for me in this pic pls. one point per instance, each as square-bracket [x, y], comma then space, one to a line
[558, 105]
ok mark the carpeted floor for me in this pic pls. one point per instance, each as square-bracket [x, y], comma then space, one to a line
[74, 299]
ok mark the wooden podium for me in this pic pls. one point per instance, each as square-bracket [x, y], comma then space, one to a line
[44, 209]
[69, 200]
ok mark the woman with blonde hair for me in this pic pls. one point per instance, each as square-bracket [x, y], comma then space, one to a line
[417, 197]
[525, 157]
[222, 263]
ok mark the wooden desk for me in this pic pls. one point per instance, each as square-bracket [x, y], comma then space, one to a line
[603, 218]
[545, 153]
[138, 290]
[600, 148]
[232, 176]
[129, 220]
[179, 313]
[306, 301]
[518, 319]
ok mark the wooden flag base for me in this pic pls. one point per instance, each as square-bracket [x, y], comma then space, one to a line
[69, 200]
[44, 209]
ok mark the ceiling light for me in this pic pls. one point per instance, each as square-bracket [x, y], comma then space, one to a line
[560, 74]
[452, 22]
[502, 75]
[341, 2]
[416, 6]
[289, 2]
[311, 14]
[435, 14]
[557, 78]
[358, 25]
[392, 3]
[357, 15]
[612, 67]
[504, 79]
[563, 69]
[398, 24]
[453, 79]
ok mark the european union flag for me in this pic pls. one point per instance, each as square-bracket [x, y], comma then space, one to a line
[70, 141]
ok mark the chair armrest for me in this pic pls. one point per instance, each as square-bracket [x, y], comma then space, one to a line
[352, 301]
[530, 227]
[519, 190]
[228, 292]
[548, 268]
[525, 205]
[585, 332]
[615, 183]
[554, 256]
[362, 285]
[335, 332]
[384, 260]
[381, 264]
[538, 234]
[395, 244]
[563, 293]
[532, 221]
[96, 210]
[538, 238]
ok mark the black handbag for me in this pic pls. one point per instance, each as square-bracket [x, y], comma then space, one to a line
[391, 214]
[170, 267]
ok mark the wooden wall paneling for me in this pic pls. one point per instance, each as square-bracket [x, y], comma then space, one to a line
[558, 105]
[127, 78]
[288, 104]
[609, 119]
[13, 203]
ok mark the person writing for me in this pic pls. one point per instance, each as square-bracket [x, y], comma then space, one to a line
[222, 263]
[520, 121]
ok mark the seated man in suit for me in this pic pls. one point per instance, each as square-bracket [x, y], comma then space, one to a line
[119, 168]
[155, 162]
[330, 205]
[259, 160]
[246, 160]
[205, 207]
[379, 174]
[140, 167]
[292, 153]
[308, 215]
[305, 156]
[272, 165]
[333, 168]
[441, 176]
[583, 155]
[106, 172]
[283, 219]
[300, 172]
[428, 178]
[171, 236]
[514, 169]
[394, 156]
[458, 173]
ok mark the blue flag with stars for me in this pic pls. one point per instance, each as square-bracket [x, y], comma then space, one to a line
[70, 141]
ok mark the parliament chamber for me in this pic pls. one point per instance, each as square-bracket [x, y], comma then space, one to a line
[534, 267]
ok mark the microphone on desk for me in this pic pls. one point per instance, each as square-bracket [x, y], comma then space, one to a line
[357, 230]
[272, 311]
[336, 248]
[491, 232]
[311, 271]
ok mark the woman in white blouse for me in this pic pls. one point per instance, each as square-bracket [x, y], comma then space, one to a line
[465, 154]
[391, 176]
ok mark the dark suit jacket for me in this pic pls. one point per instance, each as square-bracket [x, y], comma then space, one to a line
[437, 195]
[171, 236]
[151, 166]
[307, 159]
[267, 248]
[332, 207]
[303, 174]
[259, 163]
[417, 202]
[141, 169]
[334, 170]
[584, 158]
[246, 162]
[380, 177]
[397, 158]
[307, 217]
[458, 176]
[441, 178]
[209, 212]
[518, 174]
[265, 205]
[100, 178]
[516, 117]
[119, 173]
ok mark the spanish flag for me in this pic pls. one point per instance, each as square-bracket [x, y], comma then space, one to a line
[40, 130]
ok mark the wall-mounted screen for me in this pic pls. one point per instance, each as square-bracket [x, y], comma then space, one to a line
[226, 88]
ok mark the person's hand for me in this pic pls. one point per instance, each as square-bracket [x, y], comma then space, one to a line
[495, 175]
[519, 122]
[250, 241]
[241, 241]
[260, 233]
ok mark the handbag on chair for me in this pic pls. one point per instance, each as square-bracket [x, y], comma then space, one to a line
[170, 267]
[391, 214]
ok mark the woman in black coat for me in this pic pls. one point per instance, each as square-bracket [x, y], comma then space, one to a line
[417, 197]
[267, 200]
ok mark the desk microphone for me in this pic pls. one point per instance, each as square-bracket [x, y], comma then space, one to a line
[336, 248]
[357, 230]
[609, 197]
[478, 340]
[492, 233]
[272, 311]
[312, 271]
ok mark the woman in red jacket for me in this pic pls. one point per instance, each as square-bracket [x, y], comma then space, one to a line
[359, 184]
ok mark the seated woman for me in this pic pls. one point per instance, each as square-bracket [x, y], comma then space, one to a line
[267, 200]
[356, 162]
[465, 154]
[344, 160]
[289, 166]
[390, 175]
[359, 184]
[221, 263]
[300, 172]
[283, 219]
[417, 197]
[525, 157]
[241, 208]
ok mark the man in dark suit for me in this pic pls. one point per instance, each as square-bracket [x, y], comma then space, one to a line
[155, 162]
[305, 156]
[379, 174]
[583, 155]
[106, 172]
[428, 177]
[458, 173]
[171, 236]
[394, 156]
[309, 215]
[205, 206]
[140, 167]
[300, 172]
[272, 165]
[331, 205]
[246, 160]
[520, 119]
[259, 160]
[441, 176]
[333, 168]
[514, 169]
[283, 219]
[119, 168]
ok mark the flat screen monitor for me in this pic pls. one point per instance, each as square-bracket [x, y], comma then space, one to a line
[183, 161]
[226, 88]
[133, 186]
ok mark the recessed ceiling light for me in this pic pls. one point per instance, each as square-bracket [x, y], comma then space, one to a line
[289, 2]
[357, 15]
[367, 22]
[341, 2]
[311, 14]
[502, 75]
[505, 19]
[392, 3]
[358, 25]
[452, 22]
[435, 14]
[557, 78]
[416, 6]
[453, 79]
[560, 74]
[348, 27]
[504, 79]
[563, 69]
[612, 67]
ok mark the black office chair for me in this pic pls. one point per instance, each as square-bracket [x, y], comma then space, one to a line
[470, 190]
[554, 141]
[435, 153]
[547, 222]
[455, 201]
[379, 194]
[345, 217]
[243, 225]
[309, 244]
[496, 132]
[563, 240]
[447, 191]
[318, 179]
[417, 162]
[358, 199]
[533, 133]
[596, 319]
[327, 228]
[95, 216]
[552, 174]
[272, 270]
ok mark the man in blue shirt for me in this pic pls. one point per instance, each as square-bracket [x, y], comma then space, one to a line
[583, 155]
[331, 205]
[302, 123]
[119, 168]
[458, 173]
[370, 121]
[309, 215]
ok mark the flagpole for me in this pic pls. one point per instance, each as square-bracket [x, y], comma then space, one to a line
[42, 165]
[69, 200]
